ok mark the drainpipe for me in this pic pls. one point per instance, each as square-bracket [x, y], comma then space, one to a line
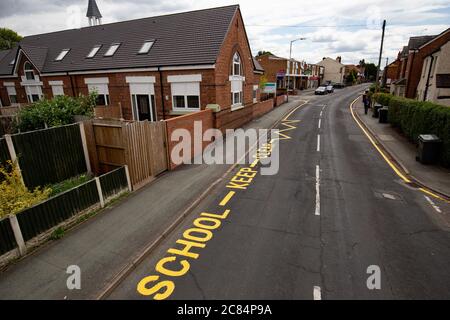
[71, 85]
[162, 93]
[428, 79]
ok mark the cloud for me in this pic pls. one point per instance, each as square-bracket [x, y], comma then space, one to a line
[346, 27]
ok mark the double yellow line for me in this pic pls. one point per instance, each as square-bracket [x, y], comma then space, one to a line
[386, 158]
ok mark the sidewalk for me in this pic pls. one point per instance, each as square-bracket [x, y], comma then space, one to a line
[108, 242]
[404, 152]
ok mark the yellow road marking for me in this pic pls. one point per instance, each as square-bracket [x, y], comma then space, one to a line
[391, 164]
[227, 198]
[254, 163]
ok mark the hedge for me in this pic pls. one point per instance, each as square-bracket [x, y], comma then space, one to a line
[415, 117]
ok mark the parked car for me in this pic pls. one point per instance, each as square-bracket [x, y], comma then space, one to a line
[339, 85]
[321, 90]
[330, 88]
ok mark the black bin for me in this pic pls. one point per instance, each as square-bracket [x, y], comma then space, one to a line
[429, 149]
[383, 115]
[376, 109]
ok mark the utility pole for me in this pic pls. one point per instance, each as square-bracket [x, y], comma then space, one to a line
[379, 58]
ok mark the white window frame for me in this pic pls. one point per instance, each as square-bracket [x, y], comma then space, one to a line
[112, 49]
[33, 90]
[100, 85]
[62, 54]
[255, 93]
[11, 90]
[193, 79]
[57, 88]
[94, 51]
[238, 63]
[142, 86]
[237, 83]
[30, 70]
[146, 47]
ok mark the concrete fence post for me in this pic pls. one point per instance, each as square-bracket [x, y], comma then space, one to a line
[100, 192]
[85, 147]
[12, 153]
[127, 173]
[18, 234]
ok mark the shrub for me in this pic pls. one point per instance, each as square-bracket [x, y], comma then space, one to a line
[415, 117]
[55, 112]
[382, 98]
[14, 196]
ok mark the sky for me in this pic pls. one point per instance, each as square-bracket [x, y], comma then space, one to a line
[347, 28]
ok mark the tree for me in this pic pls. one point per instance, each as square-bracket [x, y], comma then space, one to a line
[14, 196]
[261, 53]
[371, 71]
[8, 38]
[351, 77]
[55, 112]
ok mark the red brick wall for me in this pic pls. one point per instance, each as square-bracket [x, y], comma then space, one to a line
[262, 107]
[280, 100]
[271, 67]
[236, 41]
[187, 122]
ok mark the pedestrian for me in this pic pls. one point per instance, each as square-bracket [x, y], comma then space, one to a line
[366, 101]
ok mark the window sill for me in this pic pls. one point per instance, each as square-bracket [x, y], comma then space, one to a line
[237, 107]
[182, 112]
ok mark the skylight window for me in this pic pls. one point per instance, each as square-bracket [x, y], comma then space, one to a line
[94, 51]
[146, 47]
[62, 54]
[112, 49]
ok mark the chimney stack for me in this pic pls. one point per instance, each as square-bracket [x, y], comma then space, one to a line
[339, 59]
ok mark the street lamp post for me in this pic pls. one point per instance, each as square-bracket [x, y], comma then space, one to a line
[289, 67]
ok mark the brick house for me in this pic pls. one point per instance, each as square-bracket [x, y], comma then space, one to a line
[390, 72]
[146, 69]
[334, 70]
[434, 83]
[412, 63]
[281, 70]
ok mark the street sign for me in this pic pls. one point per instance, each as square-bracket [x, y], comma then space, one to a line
[270, 87]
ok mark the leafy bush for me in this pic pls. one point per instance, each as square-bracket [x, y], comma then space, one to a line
[55, 112]
[382, 98]
[415, 117]
[14, 196]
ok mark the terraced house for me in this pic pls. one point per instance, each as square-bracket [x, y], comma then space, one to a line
[152, 68]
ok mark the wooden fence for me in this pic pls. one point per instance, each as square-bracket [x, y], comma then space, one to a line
[47, 215]
[48, 156]
[140, 145]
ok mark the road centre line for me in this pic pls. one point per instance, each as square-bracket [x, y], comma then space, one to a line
[320, 122]
[435, 207]
[318, 143]
[317, 211]
[317, 294]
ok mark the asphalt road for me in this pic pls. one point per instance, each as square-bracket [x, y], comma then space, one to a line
[276, 242]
